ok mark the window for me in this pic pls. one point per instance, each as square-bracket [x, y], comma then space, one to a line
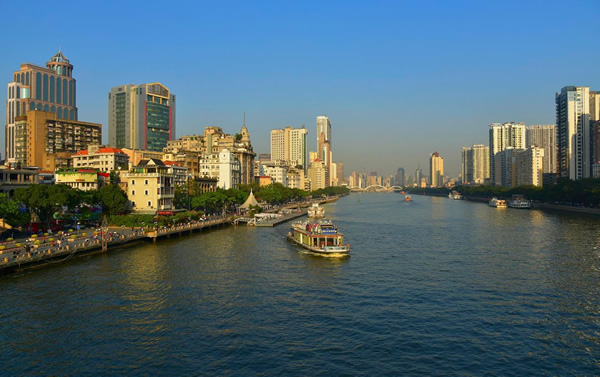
[133, 182]
[149, 204]
[133, 204]
[146, 192]
[146, 182]
[38, 85]
[132, 192]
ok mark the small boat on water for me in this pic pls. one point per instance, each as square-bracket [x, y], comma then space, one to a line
[316, 211]
[497, 203]
[455, 195]
[519, 202]
[320, 237]
[407, 198]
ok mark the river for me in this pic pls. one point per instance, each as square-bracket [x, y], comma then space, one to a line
[433, 287]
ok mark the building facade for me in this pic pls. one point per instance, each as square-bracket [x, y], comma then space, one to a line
[80, 179]
[102, 158]
[50, 89]
[436, 169]
[475, 164]
[150, 187]
[577, 108]
[502, 136]
[141, 116]
[44, 141]
[545, 137]
[530, 167]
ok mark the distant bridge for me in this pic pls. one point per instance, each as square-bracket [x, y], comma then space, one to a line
[376, 188]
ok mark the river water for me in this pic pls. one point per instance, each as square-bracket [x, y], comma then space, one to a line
[433, 287]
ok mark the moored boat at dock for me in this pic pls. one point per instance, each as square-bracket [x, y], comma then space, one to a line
[320, 237]
[455, 195]
[316, 211]
[497, 203]
[519, 201]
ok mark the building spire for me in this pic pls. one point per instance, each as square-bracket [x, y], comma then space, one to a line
[244, 119]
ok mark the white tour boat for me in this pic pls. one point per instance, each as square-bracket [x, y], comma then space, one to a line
[497, 203]
[316, 211]
[320, 237]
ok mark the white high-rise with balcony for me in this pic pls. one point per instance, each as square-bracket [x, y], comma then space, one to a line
[502, 136]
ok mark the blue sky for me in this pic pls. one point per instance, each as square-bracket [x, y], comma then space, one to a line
[399, 80]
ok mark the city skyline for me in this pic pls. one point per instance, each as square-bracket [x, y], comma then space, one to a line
[384, 62]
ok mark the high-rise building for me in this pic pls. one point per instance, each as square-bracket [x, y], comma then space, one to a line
[289, 145]
[141, 116]
[418, 176]
[436, 169]
[49, 143]
[545, 137]
[278, 147]
[502, 136]
[400, 177]
[475, 164]
[573, 126]
[596, 149]
[324, 145]
[323, 127]
[529, 167]
[50, 89]
[340, 173]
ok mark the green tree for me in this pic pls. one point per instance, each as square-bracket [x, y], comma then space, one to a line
[113, 200]
[11, 212]
[44, 200]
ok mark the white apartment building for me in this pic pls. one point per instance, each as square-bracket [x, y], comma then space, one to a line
[502, 136]
[529, 167]
[475, 164]
[222, 166]
[277, 173]
[105, 159]
[544, 136]
[289, 145]
[574, 138]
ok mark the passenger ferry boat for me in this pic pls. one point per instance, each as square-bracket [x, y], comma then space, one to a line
[407, 198]
[455, 195]
[497, 203]
[320, 237]
[316, 211]
[519, 201]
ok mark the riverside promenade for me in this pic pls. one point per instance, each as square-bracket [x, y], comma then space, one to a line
[33, 252]
[37, 252]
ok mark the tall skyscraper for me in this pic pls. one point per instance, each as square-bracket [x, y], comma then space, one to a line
[278, 147]
[475, 164]
[324, 144]
[418, 176]
[289, 145]
[400, 177]
[502, 136]
[436, 169]
[324, 127]
[573, 124]
[545, 137]
[50, 89]
[141, 116]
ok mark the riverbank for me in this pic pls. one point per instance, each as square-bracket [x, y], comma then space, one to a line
[540, 206]
[20, 255]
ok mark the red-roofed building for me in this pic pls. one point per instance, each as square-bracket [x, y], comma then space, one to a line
[179, 172]
[105, 159]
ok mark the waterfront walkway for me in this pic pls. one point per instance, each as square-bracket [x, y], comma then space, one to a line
[35, 251]
[58, 248]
